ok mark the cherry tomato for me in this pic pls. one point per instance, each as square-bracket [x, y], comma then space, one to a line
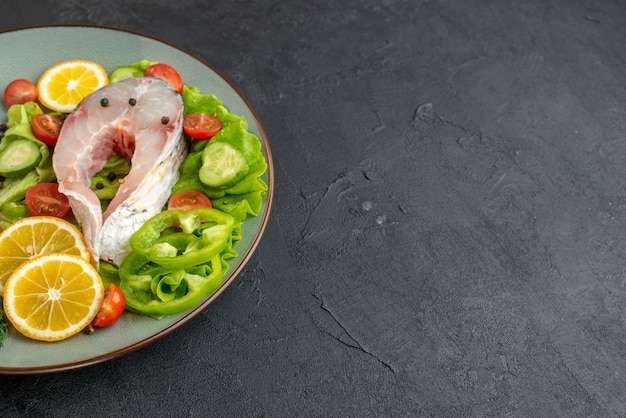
[46, 128]
[166, 73]
[46, 199]
[112, 307]
[19, 91]
[189, 200]
[201, 125]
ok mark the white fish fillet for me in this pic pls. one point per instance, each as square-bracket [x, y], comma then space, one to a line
[139, 118]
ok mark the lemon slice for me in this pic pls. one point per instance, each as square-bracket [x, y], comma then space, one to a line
[53, 296]
[62, 86]
[37, 235]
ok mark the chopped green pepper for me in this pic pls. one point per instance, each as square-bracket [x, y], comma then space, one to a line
[106, 182]
[178, 239]
[15, 210]
[157, 291]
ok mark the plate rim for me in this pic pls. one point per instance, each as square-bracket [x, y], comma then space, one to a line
[236, 269]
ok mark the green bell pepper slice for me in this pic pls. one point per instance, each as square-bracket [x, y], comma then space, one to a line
[157, 291]
[177, 239]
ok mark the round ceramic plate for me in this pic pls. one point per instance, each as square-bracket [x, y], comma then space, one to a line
[26, 53]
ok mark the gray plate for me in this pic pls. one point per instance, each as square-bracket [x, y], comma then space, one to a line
[26, 53]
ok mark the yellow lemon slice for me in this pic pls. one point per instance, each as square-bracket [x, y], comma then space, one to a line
[62, 86]
[53, 296]
[37, 235]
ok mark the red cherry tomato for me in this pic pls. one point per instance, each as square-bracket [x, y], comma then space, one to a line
[189, 200]
[46, 128]
[46, 199]
[201, 125]
[166, 73]
[19, 91]
[112, 307]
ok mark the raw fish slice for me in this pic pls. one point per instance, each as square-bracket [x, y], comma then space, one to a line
[141, 119]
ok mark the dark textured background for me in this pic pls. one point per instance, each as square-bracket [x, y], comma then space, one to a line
[448, 235]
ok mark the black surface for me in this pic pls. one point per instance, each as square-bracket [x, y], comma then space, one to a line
[448, 235]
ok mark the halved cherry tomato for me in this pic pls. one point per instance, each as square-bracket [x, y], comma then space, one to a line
[112, 307]
[46, 199]
[201, 125]
[189, 200]
[19, 91]
[46, 128]
[166, 73]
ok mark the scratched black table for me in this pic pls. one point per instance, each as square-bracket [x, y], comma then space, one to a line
[448, 232]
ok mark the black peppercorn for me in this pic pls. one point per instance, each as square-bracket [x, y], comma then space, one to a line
[104, 102]
[165, 120]
[132, 101]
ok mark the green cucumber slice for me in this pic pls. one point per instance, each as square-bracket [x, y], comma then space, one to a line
[19, 157]
[222, 165]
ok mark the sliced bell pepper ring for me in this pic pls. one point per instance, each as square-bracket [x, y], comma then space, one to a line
[157, 291]
[177, 239]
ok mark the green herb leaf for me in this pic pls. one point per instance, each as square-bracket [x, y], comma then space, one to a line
[4, 325]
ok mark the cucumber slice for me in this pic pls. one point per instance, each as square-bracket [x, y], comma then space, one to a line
[122, 73]
[19, 157]
[134, 70]
[222, 165]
